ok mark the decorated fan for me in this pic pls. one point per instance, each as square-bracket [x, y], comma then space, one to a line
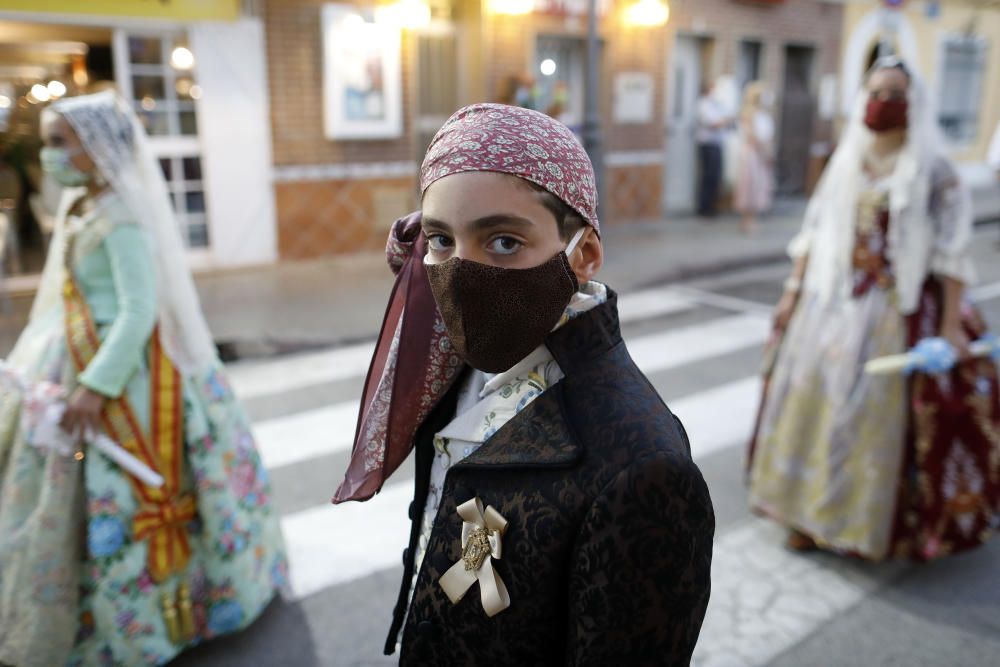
[42, 410]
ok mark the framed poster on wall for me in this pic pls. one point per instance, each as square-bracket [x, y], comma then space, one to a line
[362, 80]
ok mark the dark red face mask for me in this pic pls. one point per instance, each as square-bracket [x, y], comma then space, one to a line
[886, 115]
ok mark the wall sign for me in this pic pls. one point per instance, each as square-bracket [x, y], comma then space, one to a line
[633, 99]
[362, 80]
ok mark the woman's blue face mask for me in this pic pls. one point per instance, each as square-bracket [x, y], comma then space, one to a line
[58, 163]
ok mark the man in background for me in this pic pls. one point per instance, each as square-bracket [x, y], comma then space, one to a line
[711, 134]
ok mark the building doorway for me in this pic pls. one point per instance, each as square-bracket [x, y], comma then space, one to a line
[797, 113]
[748, 67]
[688, 69]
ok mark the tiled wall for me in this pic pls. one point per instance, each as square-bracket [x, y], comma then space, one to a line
[320, 210]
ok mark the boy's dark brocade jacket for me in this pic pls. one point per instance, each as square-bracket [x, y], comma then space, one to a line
[608, 550]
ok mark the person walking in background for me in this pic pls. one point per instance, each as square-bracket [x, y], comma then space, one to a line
[100, 563]
[881, 466]
[543, 530]
[755, 157]
[710, 134]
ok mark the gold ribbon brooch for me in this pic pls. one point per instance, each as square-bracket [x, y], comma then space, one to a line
[481, 533]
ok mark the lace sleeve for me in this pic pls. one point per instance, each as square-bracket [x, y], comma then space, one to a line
[951, 213]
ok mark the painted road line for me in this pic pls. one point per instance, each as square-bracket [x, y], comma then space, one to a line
[257, 379]
[305, 435]
[651, 303]
[670, 349]
[720, 417]
[334, 544]
[724, 301]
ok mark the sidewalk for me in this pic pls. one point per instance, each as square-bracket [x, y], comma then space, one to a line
[300, 305]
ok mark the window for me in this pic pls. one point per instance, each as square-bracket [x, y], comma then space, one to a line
[187, 194]
[559, 77]
[161, 82]
[156, 72]
[963, 67]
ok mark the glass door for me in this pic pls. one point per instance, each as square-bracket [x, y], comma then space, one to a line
[156, 73]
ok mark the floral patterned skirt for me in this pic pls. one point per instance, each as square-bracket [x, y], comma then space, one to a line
[74, 584]
[877, 466]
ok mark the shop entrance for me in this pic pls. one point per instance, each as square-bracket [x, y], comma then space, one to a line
[40, 63]
[797, 115]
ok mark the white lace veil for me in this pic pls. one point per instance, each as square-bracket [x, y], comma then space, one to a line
[113, 137]
[828, 229]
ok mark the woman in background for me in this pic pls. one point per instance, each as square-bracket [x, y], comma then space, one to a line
[755, 159]
[881, 466]
[98, 567]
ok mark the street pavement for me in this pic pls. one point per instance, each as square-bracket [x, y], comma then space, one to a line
[700, 342]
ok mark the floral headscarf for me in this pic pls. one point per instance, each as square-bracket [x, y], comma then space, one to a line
[414, 364]
[521, 142]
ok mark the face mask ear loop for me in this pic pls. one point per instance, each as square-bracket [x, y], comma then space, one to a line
[576, 239]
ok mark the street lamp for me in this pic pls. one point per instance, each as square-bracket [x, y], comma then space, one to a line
[512, 7]
[405, 14]
[647, 14]
[181, 58]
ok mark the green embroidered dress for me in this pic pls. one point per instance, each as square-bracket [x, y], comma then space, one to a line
[74, 583]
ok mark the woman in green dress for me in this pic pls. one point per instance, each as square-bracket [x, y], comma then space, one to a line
[98, 566]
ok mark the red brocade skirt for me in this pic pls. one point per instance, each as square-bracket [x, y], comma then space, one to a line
[947, 484]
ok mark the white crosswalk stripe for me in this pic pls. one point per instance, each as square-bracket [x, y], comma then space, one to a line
[659, 352]
[266, 378]
[305, 435]
[331, 544]
[700, 413]
[301, 436]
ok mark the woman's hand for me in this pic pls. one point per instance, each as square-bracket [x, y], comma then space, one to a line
[783, 311]
[955, 334]
[83, 412]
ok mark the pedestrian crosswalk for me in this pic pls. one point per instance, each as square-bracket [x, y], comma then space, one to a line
[331, 548]
[321, 557]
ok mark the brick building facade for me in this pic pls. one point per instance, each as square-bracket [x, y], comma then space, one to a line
[262, 179]
[340, 195]
[797, 46]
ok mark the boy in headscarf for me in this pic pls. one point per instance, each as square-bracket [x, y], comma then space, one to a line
[557, 515]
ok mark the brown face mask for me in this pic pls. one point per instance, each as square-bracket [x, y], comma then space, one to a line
[495, 316]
